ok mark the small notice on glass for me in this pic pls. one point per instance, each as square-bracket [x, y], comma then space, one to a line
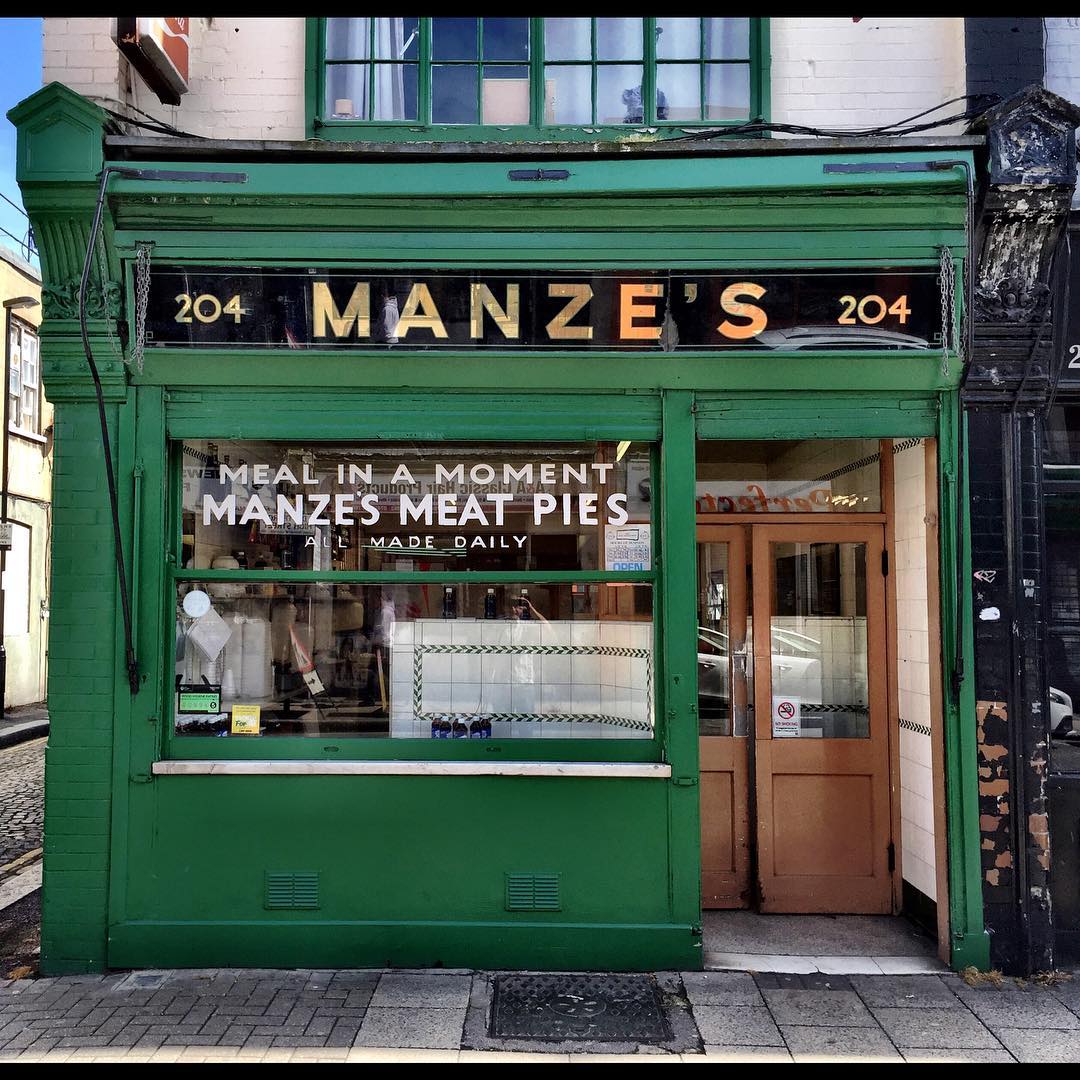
[786, 717]
[245, 720]
[627, 547]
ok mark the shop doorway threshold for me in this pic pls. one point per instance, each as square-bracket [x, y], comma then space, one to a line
[825, 944]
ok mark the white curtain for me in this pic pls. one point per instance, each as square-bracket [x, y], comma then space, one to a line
[350, 39]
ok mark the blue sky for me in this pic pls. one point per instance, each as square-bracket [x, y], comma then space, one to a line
[20, 76]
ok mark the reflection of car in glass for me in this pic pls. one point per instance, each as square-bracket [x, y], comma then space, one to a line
[1063, 723]
[839, 337]
[796, 666]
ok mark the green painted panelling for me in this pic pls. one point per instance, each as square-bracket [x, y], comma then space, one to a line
[652, 177]
[531, 944]
[815, 416]
[197, 377]
[453, 416]
[419, 848]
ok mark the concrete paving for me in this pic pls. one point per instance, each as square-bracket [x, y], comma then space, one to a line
[439, 1016]
[23, 723]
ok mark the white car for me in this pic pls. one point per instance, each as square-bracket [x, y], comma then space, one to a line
[796, 666]
[1063, 723]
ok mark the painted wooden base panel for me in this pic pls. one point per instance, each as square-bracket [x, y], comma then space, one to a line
[510, 946]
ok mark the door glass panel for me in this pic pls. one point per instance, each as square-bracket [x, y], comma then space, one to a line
[725, 690]
[714, 658]
[819, 645]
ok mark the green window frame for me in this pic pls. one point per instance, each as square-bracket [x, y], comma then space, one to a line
[424, 64]
[350, 748]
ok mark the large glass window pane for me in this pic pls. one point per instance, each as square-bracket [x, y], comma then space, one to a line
[453, 94]
[505, 95]
[618, 94]
[348, 39]
[819, 643]
[714, 653]
[397, 39]
[395, 91]
[1063, 441]
[418, 661]
[678, 92]
[568, 94]
[727, 91]
[568, 39]
[727, 39]
[348, 88]
[454, 39]
[619, 39]
[506, 39]
[782, 476]
[406, 506]
[678, 39]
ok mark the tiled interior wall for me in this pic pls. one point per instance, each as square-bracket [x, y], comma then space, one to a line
[593, 669]
[913, 662]
[816, 458]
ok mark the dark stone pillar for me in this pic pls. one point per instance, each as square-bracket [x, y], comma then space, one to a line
[1024, 208]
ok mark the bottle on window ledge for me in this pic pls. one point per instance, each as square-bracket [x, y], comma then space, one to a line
[490, 605]
[449, 604]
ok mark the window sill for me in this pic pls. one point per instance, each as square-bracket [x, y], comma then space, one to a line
[609, 769]
[30, 436]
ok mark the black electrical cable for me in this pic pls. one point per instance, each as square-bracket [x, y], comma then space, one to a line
[897, 127]
[121, 572]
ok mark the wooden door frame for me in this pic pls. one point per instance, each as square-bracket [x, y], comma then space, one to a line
[873, 535]
[730, 754]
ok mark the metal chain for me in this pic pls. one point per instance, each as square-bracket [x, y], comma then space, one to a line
[949, 336]
[142, 298]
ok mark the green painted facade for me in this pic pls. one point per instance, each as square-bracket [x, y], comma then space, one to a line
[144, 870]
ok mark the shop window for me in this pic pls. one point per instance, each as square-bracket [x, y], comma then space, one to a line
[519, 73]
[787, 476]
[414, 591]
[24, 379]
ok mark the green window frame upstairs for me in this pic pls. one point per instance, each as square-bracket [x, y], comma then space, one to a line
[516, 79]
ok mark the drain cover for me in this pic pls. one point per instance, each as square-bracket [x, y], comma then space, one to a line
[606, 1008]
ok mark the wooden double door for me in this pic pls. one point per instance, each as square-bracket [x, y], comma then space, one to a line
[792, 700]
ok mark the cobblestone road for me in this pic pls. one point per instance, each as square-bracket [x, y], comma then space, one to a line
[22, 799]
[442, 1015]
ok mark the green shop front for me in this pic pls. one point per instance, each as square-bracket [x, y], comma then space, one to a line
[456, 494]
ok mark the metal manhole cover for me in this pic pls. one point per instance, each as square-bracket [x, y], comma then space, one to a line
[606, 1008]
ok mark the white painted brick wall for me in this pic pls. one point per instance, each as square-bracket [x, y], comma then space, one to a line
[834, 72]
[246, 78]
[247, 75]
[1062, 75]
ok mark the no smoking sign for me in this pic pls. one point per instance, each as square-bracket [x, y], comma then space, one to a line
[786, 717]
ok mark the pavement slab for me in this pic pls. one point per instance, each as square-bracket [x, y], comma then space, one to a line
[430, 991]
[935, 1028]
[1032, 1009]
[818, 1008]
[412, 1028]
[834, 1043]
[721, 988]
[904, 991]
[736, 1025]
[1041, 1045]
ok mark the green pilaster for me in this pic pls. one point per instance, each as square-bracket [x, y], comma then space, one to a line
[679, 564]
[59, 157]
[970, 945]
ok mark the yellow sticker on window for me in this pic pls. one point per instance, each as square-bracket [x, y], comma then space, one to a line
[245, 719]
